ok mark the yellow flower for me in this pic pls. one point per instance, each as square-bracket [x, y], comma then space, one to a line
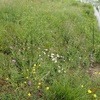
[47, 88]
[82, 86]
[29, 94]
[94, 95]
[34, 65]
[25, 82]
[27, 77]
[7, 78]
[89, 91]
[39, 83]
[99, 73]
[38, 87]
[95, 72]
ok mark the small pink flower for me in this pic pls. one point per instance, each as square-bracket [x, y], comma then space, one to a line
[29, 83]
[14, 61]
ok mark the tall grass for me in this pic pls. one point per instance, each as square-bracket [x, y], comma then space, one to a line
[40, 41]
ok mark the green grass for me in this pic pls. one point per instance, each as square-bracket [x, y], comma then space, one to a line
[57, 36]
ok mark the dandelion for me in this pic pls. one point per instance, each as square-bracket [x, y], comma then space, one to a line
[47, 88]
[95, 72]
[27, 77]
[99, 73]
[82, 86]
[24, 82]
[89, 91]
[94, 95]
[7, 79]
[38, 87]
[39, 83]
[34, 65]
[29, 94]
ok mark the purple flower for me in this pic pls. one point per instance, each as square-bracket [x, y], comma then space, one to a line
[29, 83]
[14, 61]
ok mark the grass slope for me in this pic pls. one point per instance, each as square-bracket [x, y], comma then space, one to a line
[44, 42]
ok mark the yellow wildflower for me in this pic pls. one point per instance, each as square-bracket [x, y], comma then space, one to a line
[34, 65]
[47, 88]
[95, 72]
[38, 87]
[25, 82]
[94, 95]
[27, 77]
[82, 86]
[89, 91]
[39, 83]
[29, 94]
[7, 78]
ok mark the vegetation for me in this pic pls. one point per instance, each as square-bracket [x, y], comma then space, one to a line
[46, 49]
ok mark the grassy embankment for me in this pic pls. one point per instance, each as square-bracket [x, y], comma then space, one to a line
[46, 46]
